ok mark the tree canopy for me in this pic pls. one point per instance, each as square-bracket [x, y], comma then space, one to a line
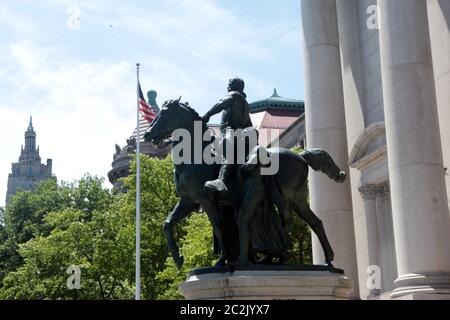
[43, 233]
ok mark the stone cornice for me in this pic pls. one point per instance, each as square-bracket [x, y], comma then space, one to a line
[371, 158]
[358, 159]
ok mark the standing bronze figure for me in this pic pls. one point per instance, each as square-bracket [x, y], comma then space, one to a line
[235, 115]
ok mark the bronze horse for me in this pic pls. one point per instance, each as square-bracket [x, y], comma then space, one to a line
[237, 225]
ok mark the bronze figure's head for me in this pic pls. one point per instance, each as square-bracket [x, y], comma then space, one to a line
[236, 84]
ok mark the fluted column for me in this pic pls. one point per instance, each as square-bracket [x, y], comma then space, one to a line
[418, 193]
[388, 263]
[325, 128]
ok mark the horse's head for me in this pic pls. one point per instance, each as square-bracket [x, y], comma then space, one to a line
[173, 115]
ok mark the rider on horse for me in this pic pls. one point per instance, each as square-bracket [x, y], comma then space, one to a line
[235, 116]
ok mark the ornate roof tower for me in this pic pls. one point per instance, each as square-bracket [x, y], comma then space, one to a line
[29, 171]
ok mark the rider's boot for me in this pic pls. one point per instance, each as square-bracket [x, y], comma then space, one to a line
[223, 182]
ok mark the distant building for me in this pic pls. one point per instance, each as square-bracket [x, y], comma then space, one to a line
[123, 155]
[272, 116]
[29, 171]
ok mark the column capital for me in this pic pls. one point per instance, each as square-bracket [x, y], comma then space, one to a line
[368, 191]
[383, 190]
[372, 191]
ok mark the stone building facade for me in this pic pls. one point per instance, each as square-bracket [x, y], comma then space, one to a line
[28, 171]
[377, 80]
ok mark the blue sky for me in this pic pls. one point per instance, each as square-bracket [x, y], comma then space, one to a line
[71, 64]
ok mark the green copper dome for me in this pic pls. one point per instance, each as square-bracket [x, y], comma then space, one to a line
[276, 102]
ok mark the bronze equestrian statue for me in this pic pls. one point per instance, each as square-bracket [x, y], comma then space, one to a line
[259, 220]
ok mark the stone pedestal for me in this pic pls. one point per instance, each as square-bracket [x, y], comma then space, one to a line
[267, 285]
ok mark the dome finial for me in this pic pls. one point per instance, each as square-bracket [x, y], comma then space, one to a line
[275, 93]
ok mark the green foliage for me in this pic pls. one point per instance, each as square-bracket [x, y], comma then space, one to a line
[9, 258]
[87, 233]
[23, 219]
[45, 231]
[24, 215]
[3, 234]
[300, 238]
[83, 224]
[5, 251]
[196, 247]
[157, 200]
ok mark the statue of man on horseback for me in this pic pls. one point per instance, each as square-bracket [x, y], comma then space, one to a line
[259, 220]
[235, 116]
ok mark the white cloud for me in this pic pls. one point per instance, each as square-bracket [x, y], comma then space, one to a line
[84, 108]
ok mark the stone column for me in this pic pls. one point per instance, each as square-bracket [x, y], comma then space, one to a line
[370, 194]
[325, 128]
[439, 20]
[386, 235]
[418, 193]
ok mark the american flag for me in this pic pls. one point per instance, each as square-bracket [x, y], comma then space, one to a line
[146, 110]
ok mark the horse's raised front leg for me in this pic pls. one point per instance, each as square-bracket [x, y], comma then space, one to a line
[182, 209]
[307, 215]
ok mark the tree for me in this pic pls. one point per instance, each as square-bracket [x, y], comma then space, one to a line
[3, 234]
[158, 199]
[23, 219]
[4, 252]
[87, 231]
[24, 214]
[83, 224]
[196, 246]
[95, 230]
[98, 245]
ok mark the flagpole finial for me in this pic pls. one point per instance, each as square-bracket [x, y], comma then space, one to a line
[138, 64]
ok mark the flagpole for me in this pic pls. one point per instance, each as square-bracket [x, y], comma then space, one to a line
[138, 196]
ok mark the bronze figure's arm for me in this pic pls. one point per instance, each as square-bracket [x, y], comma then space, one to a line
[220, 106]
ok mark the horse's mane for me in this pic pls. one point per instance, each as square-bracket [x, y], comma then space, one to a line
[195, 115]
[192, 111]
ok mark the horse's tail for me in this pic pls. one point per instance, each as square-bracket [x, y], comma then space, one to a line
[320, 160]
